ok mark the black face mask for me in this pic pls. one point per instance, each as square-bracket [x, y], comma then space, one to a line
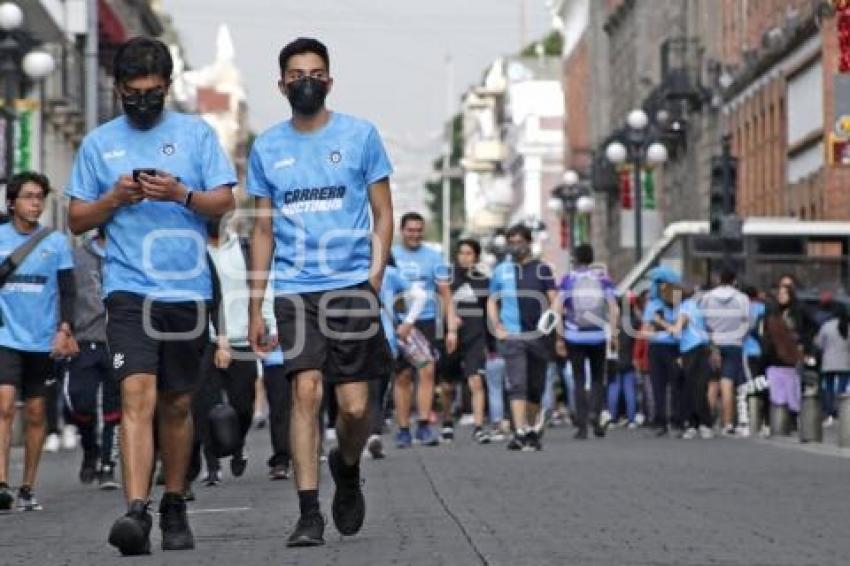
[144, 110]
[307, 95]
[519, 251]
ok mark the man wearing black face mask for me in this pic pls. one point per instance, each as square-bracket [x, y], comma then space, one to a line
[315, 179]
[156, 279]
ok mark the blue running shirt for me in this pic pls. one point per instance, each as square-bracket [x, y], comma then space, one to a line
[29, 301]
[695, 333]
[155, 249]
[522, 292]
[318, 183]
[423, 268]
[669, 314]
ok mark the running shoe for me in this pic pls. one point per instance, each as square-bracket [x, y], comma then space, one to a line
[106, 478]
[403, 439]
[53, 443]
[27, 501]
[174, 523]
[69, 437]
[706, 432]
[517, 441]
[238, 463]
[130, 534]
[689, 434]
[213, 478]
[189, 494]
[88, 469]
[425, 435]
[496, 434]
[309, 531]
[533, 442]
[375, 447]
[6, 498]
[743, 431]
[632, 426]
[348, 508]
[481, 436]
[728, 431]
[448, 432]
[280, 472]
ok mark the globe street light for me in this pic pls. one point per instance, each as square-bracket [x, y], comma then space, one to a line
[638, 148]
[585, 204]
[571, 177]
[15, 61]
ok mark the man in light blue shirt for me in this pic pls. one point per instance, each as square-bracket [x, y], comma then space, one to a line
[151, 177]
[32, 328]
[422, 267]
[324, 210]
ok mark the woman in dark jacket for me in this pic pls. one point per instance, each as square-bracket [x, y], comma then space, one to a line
[784, 325]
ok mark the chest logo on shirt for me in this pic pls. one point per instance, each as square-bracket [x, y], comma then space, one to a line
[168, 148]
[284, 163]
[115, 154]
[335, 157]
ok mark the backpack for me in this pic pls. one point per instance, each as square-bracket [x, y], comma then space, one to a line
[590, 309]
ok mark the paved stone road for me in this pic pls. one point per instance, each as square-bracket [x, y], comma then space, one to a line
[627, 500]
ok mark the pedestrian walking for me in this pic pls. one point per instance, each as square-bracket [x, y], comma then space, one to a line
[694, 345]
[150, 177]
[322, 173]
[833, 343]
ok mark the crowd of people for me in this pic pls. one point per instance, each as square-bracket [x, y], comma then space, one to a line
[164, 318]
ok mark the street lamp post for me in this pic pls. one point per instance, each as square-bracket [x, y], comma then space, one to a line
[16, 59]
[572, 196]
[639, 148]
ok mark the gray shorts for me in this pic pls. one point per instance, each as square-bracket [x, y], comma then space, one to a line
[525, 367]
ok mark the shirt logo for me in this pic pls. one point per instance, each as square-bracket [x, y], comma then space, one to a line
[335, 157]
[118, 361]
[168, 149]
[284, 163]
[115, 154]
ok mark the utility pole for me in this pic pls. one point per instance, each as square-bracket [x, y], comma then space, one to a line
[91, 55]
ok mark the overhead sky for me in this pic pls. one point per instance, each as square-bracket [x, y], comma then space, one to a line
[388, 57]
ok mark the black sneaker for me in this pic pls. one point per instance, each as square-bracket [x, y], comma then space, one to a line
[481, 436]
[581, 434]
[349, 507]
[27, 500]
[88, 469]
[238, 463]
[532, 442]
[280, 472]
[176, 534]
[517, 441]
[448, 432]
[6, 498]
[213, 478]
[599, 429]
[106, 478]
[308, 531]
[131, 533]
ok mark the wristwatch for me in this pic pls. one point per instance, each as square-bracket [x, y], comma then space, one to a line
[187, 201]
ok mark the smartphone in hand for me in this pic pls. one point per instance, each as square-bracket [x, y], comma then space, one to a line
[147, 171]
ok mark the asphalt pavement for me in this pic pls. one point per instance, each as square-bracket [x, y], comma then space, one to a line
[629, 499]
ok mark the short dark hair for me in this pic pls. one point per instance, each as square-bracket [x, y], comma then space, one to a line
[17, 182]
[473, 244]
[519, 230]
[584, 254]
[142, 57]
[411, 217]
[727, 276]
[299, 47]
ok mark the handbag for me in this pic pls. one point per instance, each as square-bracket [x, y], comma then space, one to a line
[416, 349]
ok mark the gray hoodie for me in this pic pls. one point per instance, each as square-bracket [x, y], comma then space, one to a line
[727, 315]
[89, 310]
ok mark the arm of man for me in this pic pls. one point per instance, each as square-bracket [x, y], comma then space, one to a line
[84, 215]
[381, 202]
[64, 343]
[262, 244]
[164, 187]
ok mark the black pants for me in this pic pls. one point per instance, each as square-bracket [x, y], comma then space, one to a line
[697, 370]
[595, 354]
[238, 381]
[664, 370]
[89, 371]
[377, 398]
[279, 396]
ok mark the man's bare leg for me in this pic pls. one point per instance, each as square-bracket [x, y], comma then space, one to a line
[138, 404]
[35, 419]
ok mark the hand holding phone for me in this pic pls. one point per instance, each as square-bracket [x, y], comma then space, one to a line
[147, 171]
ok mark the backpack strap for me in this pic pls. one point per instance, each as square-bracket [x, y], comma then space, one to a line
[17, 257]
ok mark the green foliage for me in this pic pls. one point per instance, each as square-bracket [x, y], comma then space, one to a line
[553, 46]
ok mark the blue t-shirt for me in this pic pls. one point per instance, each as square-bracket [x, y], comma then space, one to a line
[318, 184]
[752, 347]
[695, 333]
[668, 313]
[522, 293]
[572, 285]
[423, 267]
[29, 301]
[155, 249]
[392, 286]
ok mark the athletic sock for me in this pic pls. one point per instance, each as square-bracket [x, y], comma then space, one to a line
[308, 501]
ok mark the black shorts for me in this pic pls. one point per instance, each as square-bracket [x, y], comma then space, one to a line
[31, 372]
[337, 332]
[172, 351]
[468, 359]
[732, 364]
[428, 328]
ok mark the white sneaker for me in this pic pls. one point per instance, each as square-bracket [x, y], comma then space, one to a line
[828, 422]
[706, 432]
[467, 420]
[604, 418]
[330, 435]
[640, 419]
[743, 431]
[632, 426]
[69, 437]
[764, 432]
[689, 434]
[53, 443]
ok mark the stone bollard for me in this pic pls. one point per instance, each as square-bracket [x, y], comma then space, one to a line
[754, 414]
[18, 425]
[811, 423]
[779, 421]
[844, 420]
